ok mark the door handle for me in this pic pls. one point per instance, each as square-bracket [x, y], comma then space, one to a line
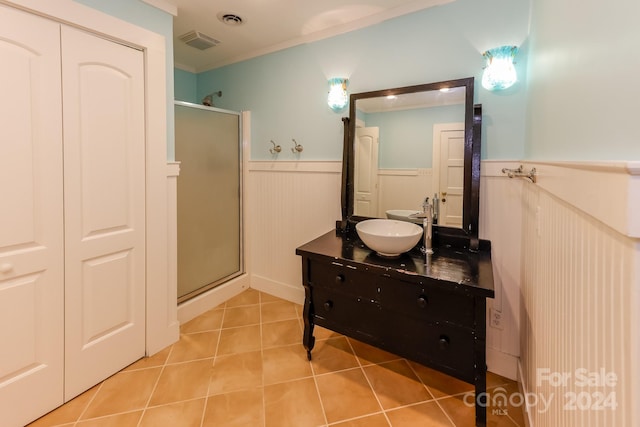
[443, 198]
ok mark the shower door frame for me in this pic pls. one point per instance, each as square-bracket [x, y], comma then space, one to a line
[241, 270]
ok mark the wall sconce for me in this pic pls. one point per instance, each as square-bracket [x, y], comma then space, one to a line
[338, 97]
[499, 73]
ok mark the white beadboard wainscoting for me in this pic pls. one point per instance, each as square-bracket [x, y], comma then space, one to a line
[580, 294]
[501, 223]
[290, 203]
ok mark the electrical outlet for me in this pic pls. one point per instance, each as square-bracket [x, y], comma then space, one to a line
[496, 319]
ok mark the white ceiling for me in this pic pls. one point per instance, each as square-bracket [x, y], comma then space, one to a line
[271, 25]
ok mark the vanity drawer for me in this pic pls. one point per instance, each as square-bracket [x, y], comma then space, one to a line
[427, 302]
[344, 280]
[347, 314]
[446, 347]
[450, 348]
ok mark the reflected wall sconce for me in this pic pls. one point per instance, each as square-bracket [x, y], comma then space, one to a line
[338, 97]
[499, 73]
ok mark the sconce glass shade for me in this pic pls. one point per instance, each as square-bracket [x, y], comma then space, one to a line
[499, 73]
[338, 97]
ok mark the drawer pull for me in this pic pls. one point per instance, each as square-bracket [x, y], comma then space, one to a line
[340, 278]
[328, 305]
[443, 342]
[422, 301]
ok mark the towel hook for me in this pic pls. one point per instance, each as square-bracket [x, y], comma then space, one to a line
[520, 173]
[276, 148]
[297, 148]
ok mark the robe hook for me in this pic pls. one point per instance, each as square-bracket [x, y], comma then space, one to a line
[276, 148]
[297, 148]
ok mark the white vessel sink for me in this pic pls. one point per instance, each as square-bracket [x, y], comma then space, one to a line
[403, 215]
[389, 237]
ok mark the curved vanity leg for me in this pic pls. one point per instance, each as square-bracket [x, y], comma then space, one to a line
[308, 340]
[313, 340]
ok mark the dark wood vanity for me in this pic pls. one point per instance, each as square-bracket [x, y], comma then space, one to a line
[431, 311]
[427, 308]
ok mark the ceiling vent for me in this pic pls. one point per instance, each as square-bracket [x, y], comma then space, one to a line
[230, 19]
[198, 40]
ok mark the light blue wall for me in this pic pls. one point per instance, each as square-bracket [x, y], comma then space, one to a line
[406, 137]
[185, 86]
[583, 81]
[153, 19]
[286, 91]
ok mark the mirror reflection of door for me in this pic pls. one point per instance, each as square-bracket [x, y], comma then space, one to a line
[366, 171]
[448, 172]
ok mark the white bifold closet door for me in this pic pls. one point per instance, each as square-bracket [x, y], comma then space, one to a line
[104, 203]
[31, 233]
[72, 216]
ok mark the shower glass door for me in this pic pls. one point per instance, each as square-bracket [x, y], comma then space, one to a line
[208, 147]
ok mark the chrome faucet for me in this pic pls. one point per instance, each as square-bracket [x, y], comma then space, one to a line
[427, 224]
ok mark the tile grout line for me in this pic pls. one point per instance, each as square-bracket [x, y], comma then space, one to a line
[264, 403]
[359, 417]
[79, 420]
[368, 381]
[312, 376]
[513, 421]
[315, 381]
[75, 423]
[155, 386]
[101, 417]
[446, 414]
[213, 363]
[124, 370]
[432, 396]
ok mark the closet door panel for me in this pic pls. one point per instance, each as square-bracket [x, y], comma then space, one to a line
[31, 238]
[104, 177]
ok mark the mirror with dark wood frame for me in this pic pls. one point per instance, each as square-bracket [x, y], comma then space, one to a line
[404, 144]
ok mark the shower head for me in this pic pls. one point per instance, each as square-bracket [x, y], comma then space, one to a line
[208, 100]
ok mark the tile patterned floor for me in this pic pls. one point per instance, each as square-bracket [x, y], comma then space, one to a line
[243, 364]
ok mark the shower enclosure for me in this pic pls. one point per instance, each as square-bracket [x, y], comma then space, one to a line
[208, 147]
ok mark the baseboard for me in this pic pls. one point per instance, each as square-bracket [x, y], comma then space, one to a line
[503, 364]
[285, 291]
[212, 298]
